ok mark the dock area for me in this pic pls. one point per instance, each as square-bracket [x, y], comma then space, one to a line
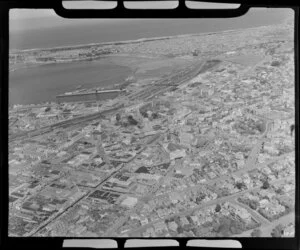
[89, 96]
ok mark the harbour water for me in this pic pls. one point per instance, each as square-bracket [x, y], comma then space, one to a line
[43, 83]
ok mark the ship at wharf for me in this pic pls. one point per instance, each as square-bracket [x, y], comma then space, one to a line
[97, 95]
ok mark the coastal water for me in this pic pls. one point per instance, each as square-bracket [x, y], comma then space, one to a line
[43, 83]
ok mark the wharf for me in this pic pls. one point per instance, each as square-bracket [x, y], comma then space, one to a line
[89, 96]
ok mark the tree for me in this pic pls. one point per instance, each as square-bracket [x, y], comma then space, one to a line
[131, 120]
[266, 185]
[240, 185]
[275, 63]
[292, 129]
[279, 191]
[118, 118]
[277, 231]
[253, 204]
[218, 208]
[154, 115]
[256, 233]
[47, 109]
[261, 127]
[144, 113]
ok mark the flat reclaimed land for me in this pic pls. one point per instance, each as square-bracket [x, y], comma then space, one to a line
[201, 144]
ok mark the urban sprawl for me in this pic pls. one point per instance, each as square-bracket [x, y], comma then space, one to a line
[206, 150]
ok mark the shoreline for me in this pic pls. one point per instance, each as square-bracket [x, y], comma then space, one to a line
[141, 40]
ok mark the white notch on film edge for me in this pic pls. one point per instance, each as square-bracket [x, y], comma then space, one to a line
[89, 4]
[151, 243]
[105, 243]
[214, 243]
